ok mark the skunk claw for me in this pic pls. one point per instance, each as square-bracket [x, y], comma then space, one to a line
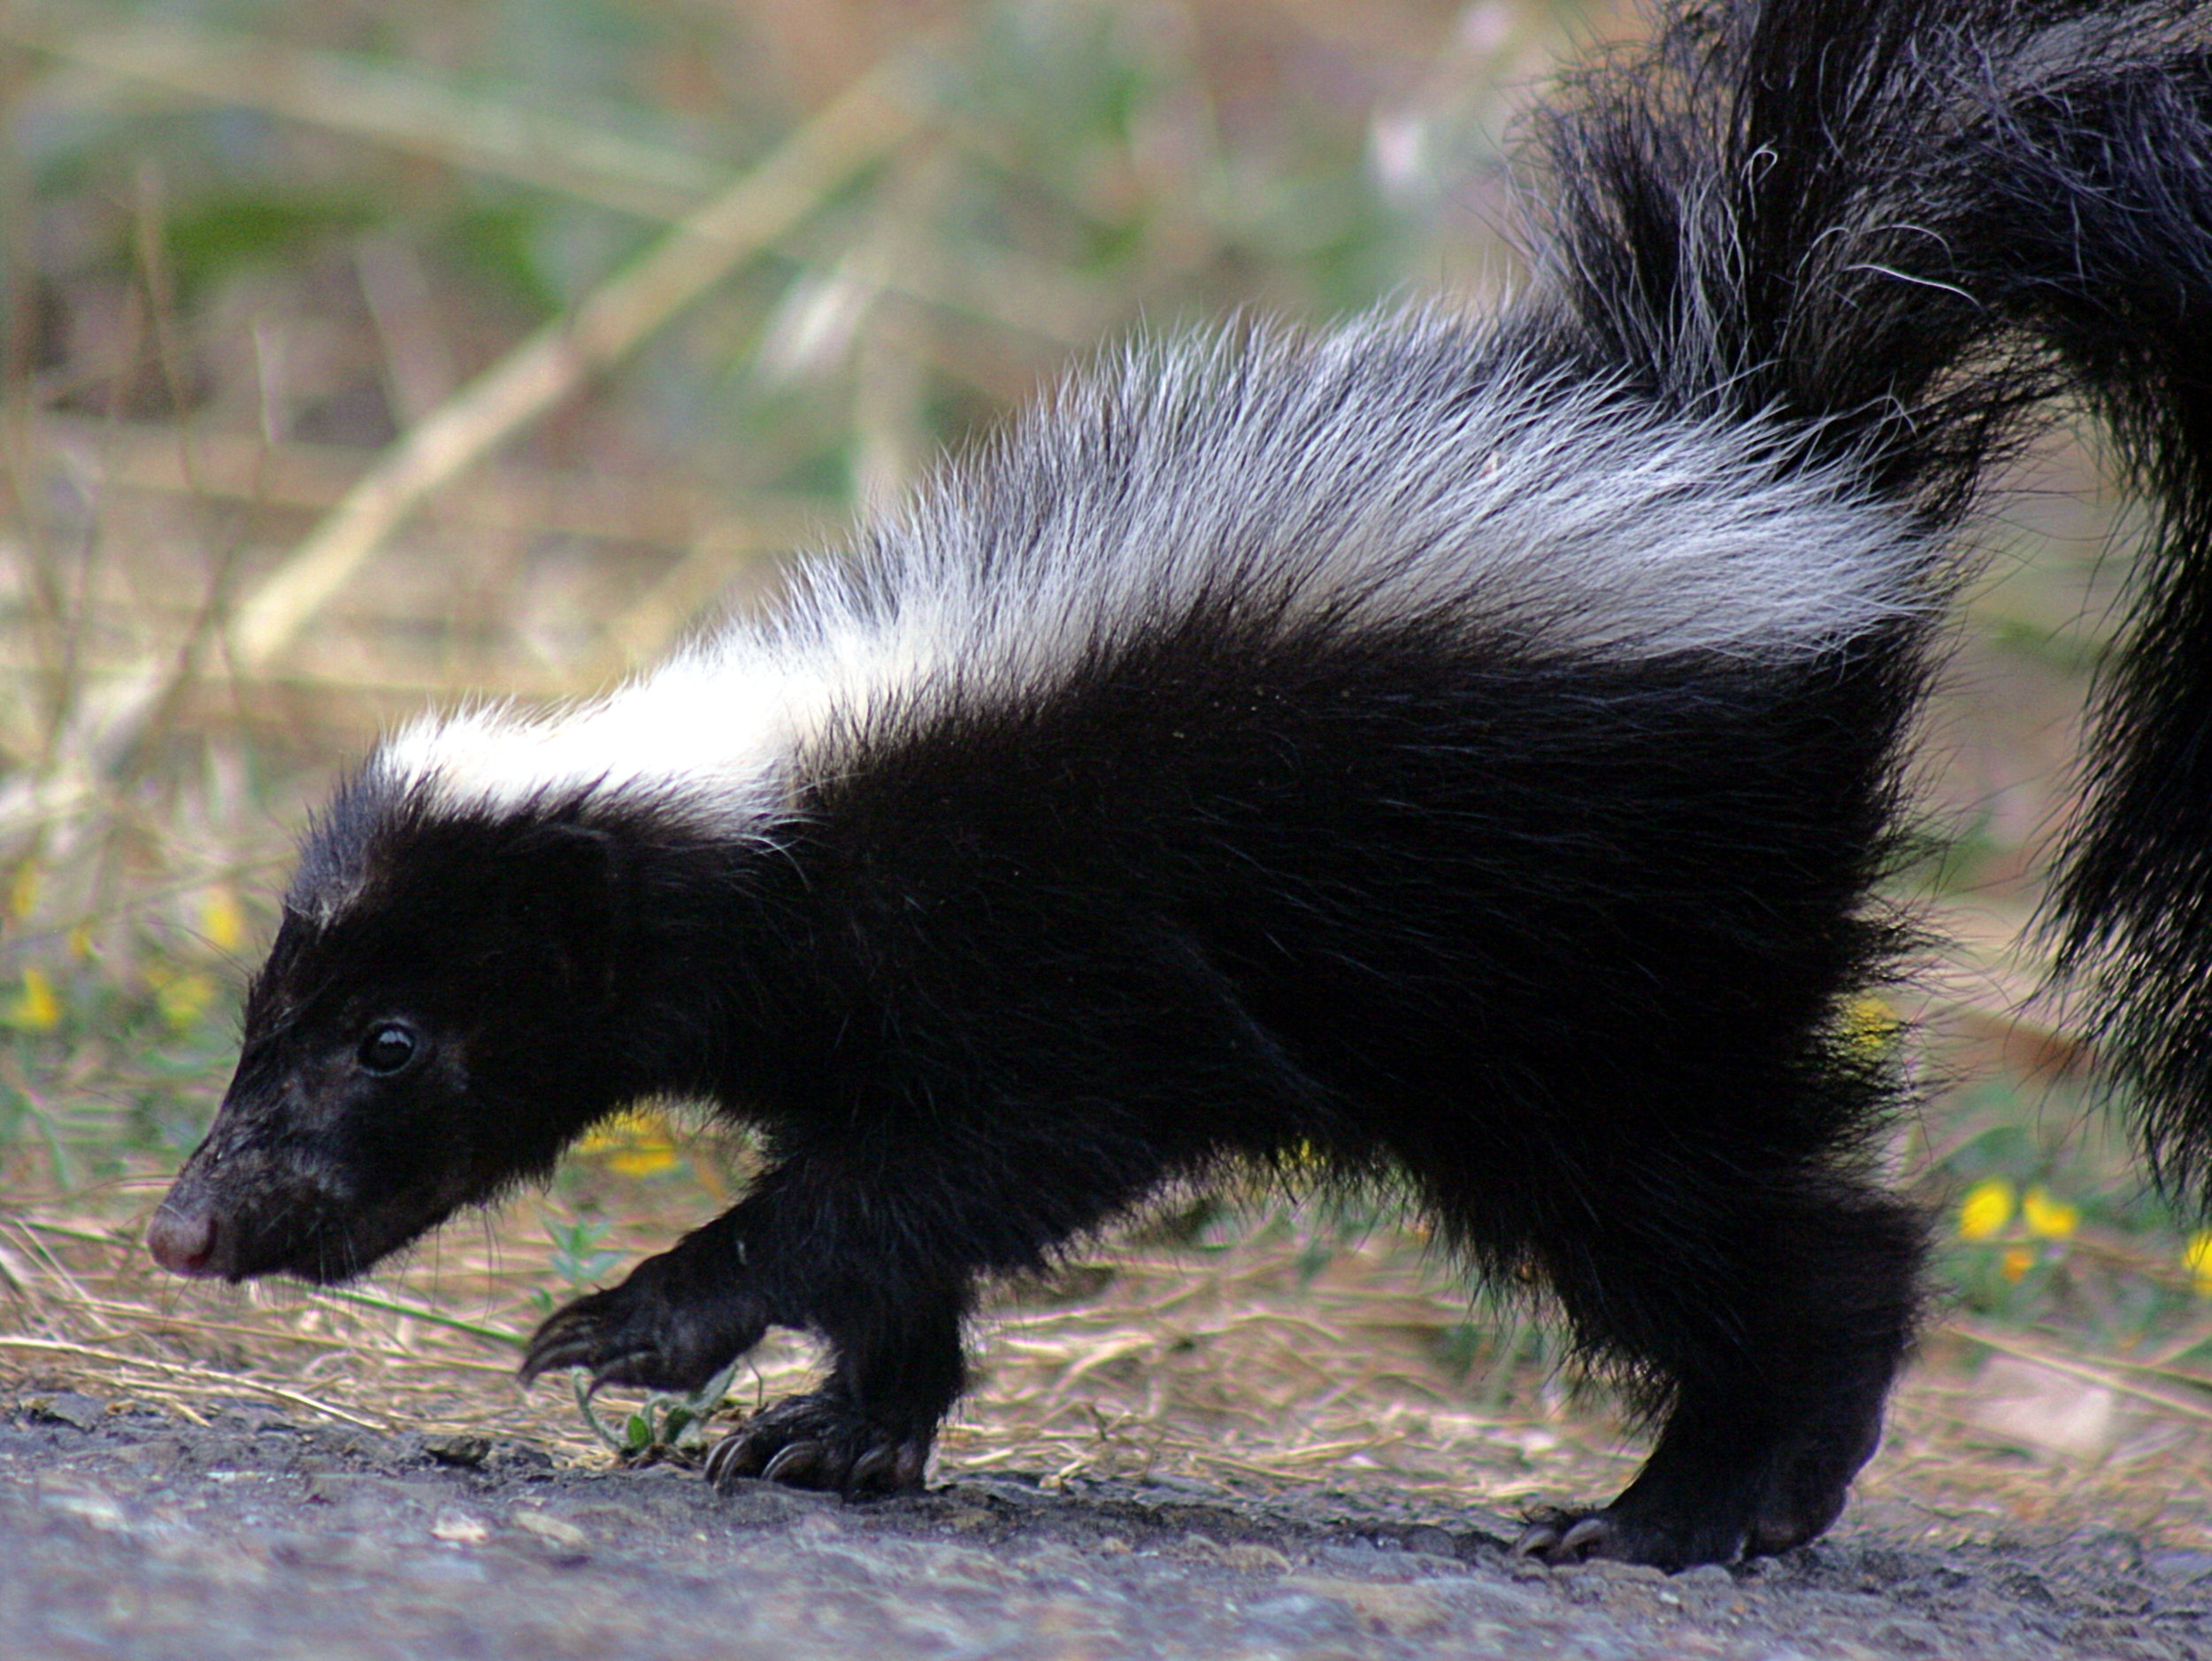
[1588, 1532]
[821, 1441]
[1561, 1537]
[797, 1459]
[872, 1465]
[734, 1456]
[1537, 1541]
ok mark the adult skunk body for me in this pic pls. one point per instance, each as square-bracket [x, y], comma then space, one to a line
[1461, 749]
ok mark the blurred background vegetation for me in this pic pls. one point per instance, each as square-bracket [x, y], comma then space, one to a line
[373, 353]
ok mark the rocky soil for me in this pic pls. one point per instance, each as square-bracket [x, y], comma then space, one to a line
[130, 1533]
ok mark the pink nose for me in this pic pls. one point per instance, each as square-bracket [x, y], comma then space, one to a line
[182, 1242]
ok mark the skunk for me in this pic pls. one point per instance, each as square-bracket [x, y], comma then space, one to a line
[1464, 752]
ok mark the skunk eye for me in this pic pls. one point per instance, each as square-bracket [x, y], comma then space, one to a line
[388, 1048]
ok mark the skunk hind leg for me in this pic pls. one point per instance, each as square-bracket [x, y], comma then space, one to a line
[1768, 1313]
[1729, 1478]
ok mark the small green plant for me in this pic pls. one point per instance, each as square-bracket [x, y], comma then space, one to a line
[662, 1426]
[577, 1256]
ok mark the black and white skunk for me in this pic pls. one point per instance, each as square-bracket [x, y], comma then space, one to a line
[1465, 750]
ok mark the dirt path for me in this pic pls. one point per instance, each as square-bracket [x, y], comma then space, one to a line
[129, 1533]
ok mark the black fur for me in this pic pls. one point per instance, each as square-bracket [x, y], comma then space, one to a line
[1562, 936]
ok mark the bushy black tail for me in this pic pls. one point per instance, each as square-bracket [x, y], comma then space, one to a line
[1909, 226]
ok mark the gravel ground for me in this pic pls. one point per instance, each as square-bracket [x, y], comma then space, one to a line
[131, 1533]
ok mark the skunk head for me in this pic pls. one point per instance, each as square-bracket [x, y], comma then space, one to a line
[435, 1021]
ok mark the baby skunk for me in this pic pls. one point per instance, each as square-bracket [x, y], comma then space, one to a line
[1464, 751]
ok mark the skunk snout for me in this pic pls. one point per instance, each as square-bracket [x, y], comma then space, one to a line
[184, 1239]
[213, 1223]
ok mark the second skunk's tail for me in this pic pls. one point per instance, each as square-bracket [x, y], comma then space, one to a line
[1909, 226]
[2134, 902]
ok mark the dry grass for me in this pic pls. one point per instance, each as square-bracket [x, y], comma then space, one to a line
[1232, 1366]
[1228, 1364]
[355, 356]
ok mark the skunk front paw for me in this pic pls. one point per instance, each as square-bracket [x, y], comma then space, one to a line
[640, 1333]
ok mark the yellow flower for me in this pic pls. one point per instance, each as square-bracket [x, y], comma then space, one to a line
[1986, 1209]
[23, 892]
[2196, 1257]
[635, 1144]
[2017, 1261]
[221, 922]
[39, 1009]
[643, 1160]
[80, 943]
[1869, 1025]
[2053, 1220]
[608, 1133]
[182, 999]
